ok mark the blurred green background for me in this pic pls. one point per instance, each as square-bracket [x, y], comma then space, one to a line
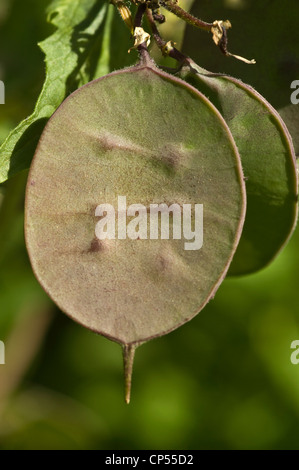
[222, 381]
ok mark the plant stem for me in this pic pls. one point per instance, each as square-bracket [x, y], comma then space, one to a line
[173, 52]
[144, 57]
[184, 15]
[139, 15]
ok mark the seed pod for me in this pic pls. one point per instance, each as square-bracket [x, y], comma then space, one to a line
[290, 115]
[268, 162]
[136, 136]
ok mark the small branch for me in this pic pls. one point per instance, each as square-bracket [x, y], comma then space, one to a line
[184, 15]
[218, 29]
[139, 16]
[141, 44]
[164, 46]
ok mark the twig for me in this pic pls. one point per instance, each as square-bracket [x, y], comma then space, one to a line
[184, 15]
[164, 46]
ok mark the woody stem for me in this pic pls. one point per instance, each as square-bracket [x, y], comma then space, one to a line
[184, 15]
[173, 52]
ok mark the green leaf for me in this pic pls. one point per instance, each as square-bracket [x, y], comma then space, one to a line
[152, 138]
[268, 162]
[69, 56]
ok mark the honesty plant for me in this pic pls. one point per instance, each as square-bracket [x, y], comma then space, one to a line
[176, 140]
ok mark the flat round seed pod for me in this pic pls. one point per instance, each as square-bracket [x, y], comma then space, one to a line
[290, 115]
[115, 149]
[268, 162]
